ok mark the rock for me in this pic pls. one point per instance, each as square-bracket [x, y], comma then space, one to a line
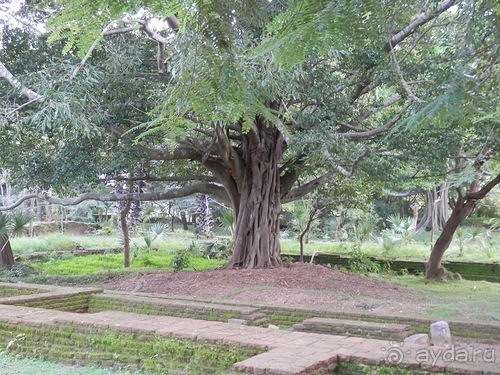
[242, 322]
[272, 326]
[419, 339]
[440, 334]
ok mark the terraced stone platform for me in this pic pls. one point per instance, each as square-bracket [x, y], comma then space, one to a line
[283, 352]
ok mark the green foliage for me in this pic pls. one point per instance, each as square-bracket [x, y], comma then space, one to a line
[294, 66]
[360, 263]
[109, 262]
[402, 227]
[180, 260]
[226, 220]
[4, 226]
[388, 242]
[14, 223]
[156, 232]
[362, 231]
[494, 223]
[218, 249]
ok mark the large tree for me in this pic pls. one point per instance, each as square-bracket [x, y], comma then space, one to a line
[256, 103]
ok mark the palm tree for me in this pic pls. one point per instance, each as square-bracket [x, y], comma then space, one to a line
[11, 224]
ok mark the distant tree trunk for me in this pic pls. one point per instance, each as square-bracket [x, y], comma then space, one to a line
[401, 208]
[126, 239]
[436, 211]
[313, 215]
[6, 254]
[414, 217]
[184, 221]
[48, 212]
[463, 207]
[338, 226]
[258, 204]
[37, 205]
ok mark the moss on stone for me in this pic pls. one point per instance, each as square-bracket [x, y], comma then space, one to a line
[89, 345]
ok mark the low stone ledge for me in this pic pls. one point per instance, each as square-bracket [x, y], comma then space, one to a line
[175, 307]
[354, 328]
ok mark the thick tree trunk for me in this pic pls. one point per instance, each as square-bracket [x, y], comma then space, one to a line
[6, 254]
[259, 204]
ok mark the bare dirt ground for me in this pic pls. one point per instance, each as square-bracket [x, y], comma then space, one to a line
[293, 285]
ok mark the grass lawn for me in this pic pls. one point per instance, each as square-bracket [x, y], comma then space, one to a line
[482, 249]
[13, 365]
[460, 299]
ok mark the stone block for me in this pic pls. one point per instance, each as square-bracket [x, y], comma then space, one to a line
[440, 334]
[418, 339]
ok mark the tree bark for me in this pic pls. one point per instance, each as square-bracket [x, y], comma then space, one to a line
[435, 212]
[126, 239]
[463, 207]
[6, 254]
[184, 221]
[259, 202]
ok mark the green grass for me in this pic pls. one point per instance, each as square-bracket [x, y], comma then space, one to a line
[14, 365]
[90, 264]
[479, 250]
[475, 300]
[56, 241]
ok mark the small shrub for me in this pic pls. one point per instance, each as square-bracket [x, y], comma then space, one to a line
[146, 261]
[461, 237]
[388, 242]
[180, 260]
[488, 244]
[361, 263]
[218, 250]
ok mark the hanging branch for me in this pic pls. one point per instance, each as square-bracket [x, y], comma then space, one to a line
[207, 188]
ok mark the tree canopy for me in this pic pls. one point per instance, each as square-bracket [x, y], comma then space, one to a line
[253, 102]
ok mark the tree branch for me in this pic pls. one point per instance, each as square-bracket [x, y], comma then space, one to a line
[480, 194]
[371, 111]
[213, 190]
[366, 82]
[143, 25]
[179, 153]
[381, 129]
[405, 84]
[229, 157]
[168, 178]
[305, 189]
[418, 22]
[14, 82]
[408, 193]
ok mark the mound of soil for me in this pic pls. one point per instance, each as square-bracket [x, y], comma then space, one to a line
[299, 285]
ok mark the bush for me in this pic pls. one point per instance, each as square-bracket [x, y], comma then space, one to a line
[180, 260]
[361, 263]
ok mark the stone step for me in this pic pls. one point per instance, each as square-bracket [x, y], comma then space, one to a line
[385, 331]
[179, 307]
